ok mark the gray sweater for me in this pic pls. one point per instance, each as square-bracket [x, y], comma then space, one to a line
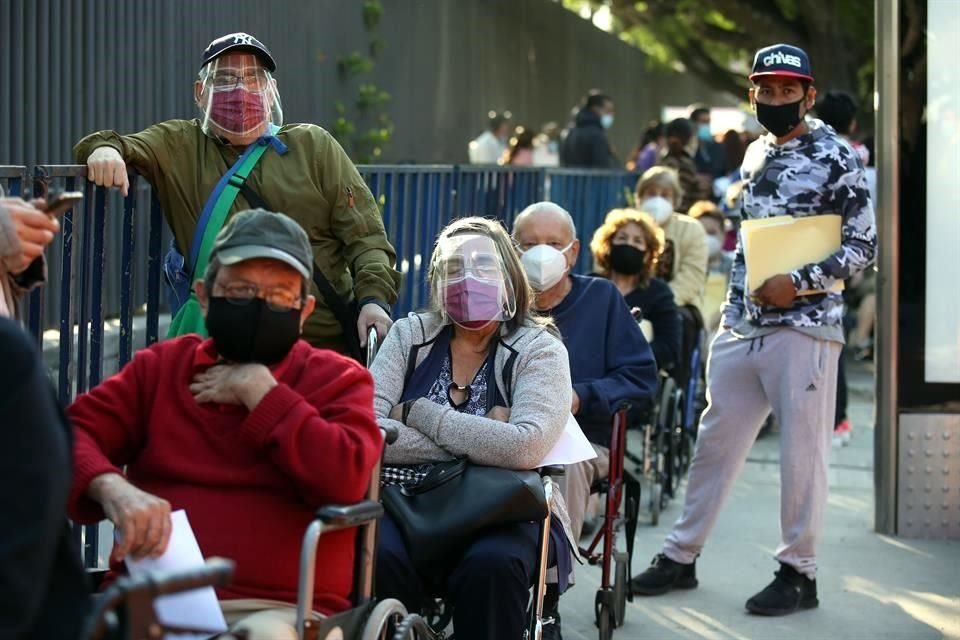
[541, 394]
[540, 389]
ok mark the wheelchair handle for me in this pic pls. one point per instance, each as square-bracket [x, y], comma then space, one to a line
[553, 470]
[390, 433]
[373, 344]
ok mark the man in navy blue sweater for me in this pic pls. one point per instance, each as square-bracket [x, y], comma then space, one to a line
[610, 360]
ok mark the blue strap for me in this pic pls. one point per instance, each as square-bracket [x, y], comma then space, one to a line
[201, 228]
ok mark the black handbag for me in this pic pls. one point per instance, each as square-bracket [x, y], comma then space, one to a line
[440, 515]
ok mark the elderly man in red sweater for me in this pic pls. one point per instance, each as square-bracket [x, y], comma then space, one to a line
[249, 432]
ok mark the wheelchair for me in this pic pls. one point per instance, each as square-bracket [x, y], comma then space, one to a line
[435, 616]
[668, 433]
[619, 489]
[125, 610]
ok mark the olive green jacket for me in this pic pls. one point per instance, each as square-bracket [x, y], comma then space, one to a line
[315, 183]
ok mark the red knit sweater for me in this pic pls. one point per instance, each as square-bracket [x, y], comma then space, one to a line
[250, 481]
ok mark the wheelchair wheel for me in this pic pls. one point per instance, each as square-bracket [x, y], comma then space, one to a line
[619, 588]
[384, 620]
[604, 622]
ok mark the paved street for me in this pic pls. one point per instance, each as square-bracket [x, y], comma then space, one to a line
[871, 586]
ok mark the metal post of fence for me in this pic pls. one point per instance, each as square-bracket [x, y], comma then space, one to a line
[66, 289]
[127, 246]
[153, 270]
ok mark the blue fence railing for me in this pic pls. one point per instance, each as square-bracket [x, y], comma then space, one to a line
[104, 268]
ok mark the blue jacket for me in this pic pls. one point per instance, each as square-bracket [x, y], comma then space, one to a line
[610, 360]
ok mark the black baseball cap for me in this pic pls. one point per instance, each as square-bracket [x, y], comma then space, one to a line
[238, 42]
[782, 60]
[258, 233]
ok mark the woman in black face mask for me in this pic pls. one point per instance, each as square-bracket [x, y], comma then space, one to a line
[625, 250]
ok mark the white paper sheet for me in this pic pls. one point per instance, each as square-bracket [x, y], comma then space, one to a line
[197, 609]
[572, 447]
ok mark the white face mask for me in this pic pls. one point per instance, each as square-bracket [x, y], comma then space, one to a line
[545, 266]
[659, 208]
[714, 245]
[606, 120]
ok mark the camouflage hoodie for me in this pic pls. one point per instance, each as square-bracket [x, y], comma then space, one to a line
[814, 174]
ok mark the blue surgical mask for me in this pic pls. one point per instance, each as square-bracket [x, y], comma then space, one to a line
[703, 131]
[606, 120]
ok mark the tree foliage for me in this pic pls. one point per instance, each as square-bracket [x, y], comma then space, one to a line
[363, 125]
[715, 39]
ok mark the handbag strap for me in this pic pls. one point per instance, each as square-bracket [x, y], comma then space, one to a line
[218, 205]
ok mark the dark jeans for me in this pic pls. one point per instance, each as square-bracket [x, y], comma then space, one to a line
[488, 588]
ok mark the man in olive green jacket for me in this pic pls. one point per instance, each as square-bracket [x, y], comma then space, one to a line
[306, 175]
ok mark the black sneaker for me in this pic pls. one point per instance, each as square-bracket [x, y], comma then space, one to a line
[790, 591]
[663, 575]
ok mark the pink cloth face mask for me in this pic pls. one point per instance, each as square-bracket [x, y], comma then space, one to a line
[473, 303]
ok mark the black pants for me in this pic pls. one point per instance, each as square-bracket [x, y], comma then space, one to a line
[488, 588]
[43, 588]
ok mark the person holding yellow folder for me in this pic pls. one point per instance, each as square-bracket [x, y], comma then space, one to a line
[808, 225]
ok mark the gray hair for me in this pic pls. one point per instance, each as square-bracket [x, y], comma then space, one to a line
[544, 207]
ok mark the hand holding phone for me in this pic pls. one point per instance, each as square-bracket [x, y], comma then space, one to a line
[61, 201]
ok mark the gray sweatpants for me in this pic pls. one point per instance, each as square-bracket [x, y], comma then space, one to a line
[795, 376]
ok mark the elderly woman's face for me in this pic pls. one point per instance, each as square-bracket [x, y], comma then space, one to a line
[654, 190]
[631, 234]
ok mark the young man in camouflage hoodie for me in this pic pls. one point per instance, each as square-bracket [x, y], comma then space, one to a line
[777, 351]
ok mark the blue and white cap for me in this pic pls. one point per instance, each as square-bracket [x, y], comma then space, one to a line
[782, 60]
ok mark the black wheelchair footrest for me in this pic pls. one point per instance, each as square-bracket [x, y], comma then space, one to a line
[350, 515]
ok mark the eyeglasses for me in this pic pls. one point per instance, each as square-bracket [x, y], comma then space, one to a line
[483, 267]
[277, 298]
[253, 80]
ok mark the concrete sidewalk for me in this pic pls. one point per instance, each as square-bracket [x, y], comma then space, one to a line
[870, 586]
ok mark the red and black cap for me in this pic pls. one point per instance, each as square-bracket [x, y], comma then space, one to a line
[238, 42]
[782, 60]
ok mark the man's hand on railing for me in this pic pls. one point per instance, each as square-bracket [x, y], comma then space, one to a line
[106, 168]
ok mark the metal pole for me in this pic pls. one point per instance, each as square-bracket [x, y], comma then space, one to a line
[886, 433]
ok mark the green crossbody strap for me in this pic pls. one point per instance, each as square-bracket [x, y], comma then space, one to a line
[222, 207]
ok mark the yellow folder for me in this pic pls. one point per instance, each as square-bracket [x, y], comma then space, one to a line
[780, 244]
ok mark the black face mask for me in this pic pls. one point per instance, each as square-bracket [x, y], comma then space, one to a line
[627, 259]
[779, 119]
[252, 332]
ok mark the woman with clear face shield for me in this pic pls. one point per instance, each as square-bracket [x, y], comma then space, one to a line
[480, 376]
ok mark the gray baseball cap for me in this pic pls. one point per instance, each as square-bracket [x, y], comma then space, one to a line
[258, 233]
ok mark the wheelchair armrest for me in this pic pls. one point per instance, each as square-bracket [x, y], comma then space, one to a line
[351, 515]
[553, 470]
[390, 433]
[215, 573]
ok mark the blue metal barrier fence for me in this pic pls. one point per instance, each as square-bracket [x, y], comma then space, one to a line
[105, 267]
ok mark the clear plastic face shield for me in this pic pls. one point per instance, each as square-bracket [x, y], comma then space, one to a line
[238, 98]
[470, 281]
